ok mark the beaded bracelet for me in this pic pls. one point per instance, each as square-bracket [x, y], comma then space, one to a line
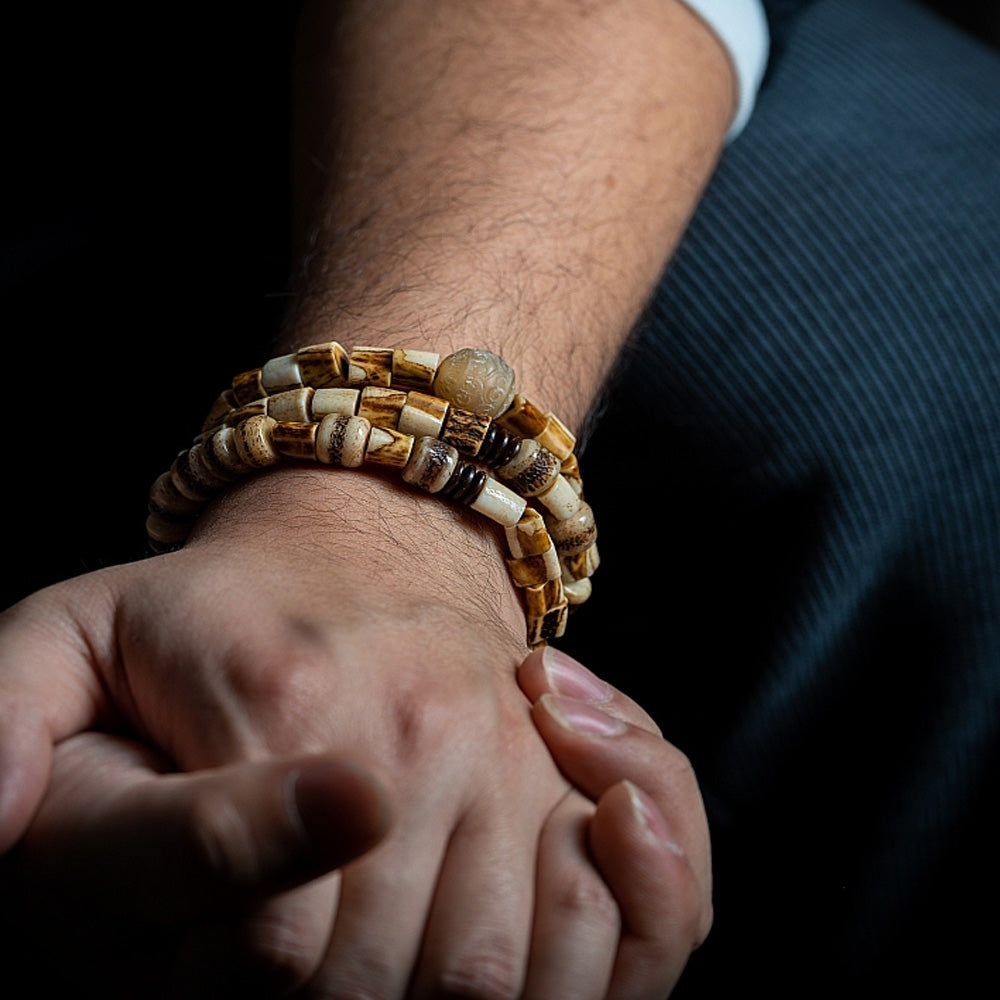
[405, 410]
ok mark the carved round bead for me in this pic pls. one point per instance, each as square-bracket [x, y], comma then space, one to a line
[342, 440]
[576, 533]
[476, 380]
[431, 464]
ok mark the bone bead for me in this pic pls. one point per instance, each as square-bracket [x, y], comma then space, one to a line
[422, 415]
[561, 499]
[543, 597]
[529, 537]
[533, 570]
[189, 482]
[476, 380]
[343, 402]
[499, 503]
[370, 366]
[226, 401]
[247, 386]
[532, 470]
[220, 449]
[414, 369]
[548, 611]
[571, 473]
[204, 465]
[167, 501]
[387, 446]
[295, 439]
[322, 365]
[574, 534]
[281, 373]
[253, 442]
[431, 464]
[258, 408]
[578, 591]
[465, 430]
[381, 406]
[342, 440]
[164, 534]
[524, 418]
[580, 565]
[557, 437]
[291, 405]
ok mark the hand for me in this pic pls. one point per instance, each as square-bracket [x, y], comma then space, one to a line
[648, 837]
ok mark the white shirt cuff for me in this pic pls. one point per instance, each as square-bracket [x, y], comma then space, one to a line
[741, 26]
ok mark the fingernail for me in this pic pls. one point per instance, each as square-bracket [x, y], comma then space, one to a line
[580, 717]
[572, 679]
[651, 819]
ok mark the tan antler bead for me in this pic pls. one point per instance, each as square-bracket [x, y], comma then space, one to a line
[342, 440]
[523, 417]
[381, 406]
[533, 570]
[387, 446]
[295, 439]
[414, 369]
[167, 501]
[322, 365]
[476, 380]
[580, 565]
[557, 437]
[253, 442]
[370, 366]
[431, 464]
[422, 415]
[529, 537]
[465, 430]
[220, 449]
[532, 470]
[247, 386]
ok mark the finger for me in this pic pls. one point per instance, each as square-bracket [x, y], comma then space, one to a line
[596, 750]
[48, 690]
[551, 671]
[197, 843]
[665, 913]
[576, 927]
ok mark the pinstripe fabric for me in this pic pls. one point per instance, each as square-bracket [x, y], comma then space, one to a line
[818, 387]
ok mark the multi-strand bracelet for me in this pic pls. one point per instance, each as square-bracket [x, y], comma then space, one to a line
[427, 418]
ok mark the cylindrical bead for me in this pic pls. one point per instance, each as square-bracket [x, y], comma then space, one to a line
[465, 430]
[258, 408]
[343, 402]
[189, 482]
[203, 464]
[295, 439]
[342, 440]
[387, 446]
[499, 503]
[247, 386]
[561, 499]
[291, 405]
[381, 406]
[476, 380]
[557, 437]
[551, 625]
[220, 450]
[533, 469]
[163, 534]
[253, 442]
[167, 501]
[280, 374]
[529, 537]
[224, 403]
[543, 597]
[572, 535]
[580, 565]
[524, 418]
[422, 415]
[431, 464]
[322, 365]
[414, 369]
[578, 591]
[370, 366]
[533, 570]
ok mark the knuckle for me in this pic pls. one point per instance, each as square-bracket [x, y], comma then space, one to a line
[584, 897]
[280, 952]
[365, 977]
[487, 973]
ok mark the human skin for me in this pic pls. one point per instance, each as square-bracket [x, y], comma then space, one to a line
[506, 176]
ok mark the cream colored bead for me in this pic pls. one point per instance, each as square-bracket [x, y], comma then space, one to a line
[280, 374]
[572, 535]
[431, 464]
[247, 386]
[578, 592]
[580, 565]
[422, 415]
[561, 499]
[221, 450]
[499, 503]
[258, 408]
[381, 406]
[253, 442]
[322, 365]
[166, 500]
[342, 440]
[202, 465]
[295, 439]
[370, 366]
[476, 380]
[532, 470]
[529, 537]
[557, 437]
[414, 369]
[189, 482]
[523, 417]
[533, 570]
[291, 405]
[343, 402]
[387, 446]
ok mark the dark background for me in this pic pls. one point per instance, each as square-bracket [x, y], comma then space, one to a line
[143, 256]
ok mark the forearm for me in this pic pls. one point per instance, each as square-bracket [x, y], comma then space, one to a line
[509, 176]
